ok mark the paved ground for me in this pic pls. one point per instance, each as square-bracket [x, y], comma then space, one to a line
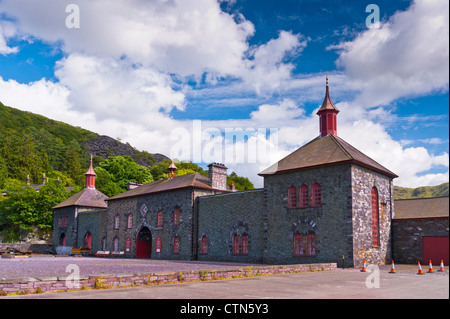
[337, 284]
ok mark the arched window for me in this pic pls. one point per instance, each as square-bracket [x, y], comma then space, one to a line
[159, 219]
[310, 244]
[116, 222]
[104, 243]
[116, 244]
[128, 244]
[244, 245]
[235, 245]
[204, 245]
[176, 245]
[292, 197]
[158, 244]
[316, 195]
[130, 221]
[375, 218]
[298, 245]
[176, 216]
[304, 196]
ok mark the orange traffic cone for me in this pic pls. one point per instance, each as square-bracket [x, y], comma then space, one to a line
[441, 268]
[420, 272]
[392, 268]
[430, 267]
[364, 267]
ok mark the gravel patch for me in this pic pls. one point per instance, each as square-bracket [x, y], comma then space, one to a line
[39, 267]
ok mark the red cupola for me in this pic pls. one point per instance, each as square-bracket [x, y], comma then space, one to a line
[90, 176]
[327, 115]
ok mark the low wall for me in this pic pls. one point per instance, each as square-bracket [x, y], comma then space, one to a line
[35, 248]
[33, 285]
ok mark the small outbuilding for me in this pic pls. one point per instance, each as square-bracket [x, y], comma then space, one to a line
[420, 230]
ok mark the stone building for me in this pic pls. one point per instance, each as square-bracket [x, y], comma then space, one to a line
[420, 230]
[325, 201]
[77, 220]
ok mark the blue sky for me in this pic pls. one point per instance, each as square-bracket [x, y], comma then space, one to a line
[144, 71]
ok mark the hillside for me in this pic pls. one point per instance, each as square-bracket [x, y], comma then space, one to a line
[421, 192]
[16, 121]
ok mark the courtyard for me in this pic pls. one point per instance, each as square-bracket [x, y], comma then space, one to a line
[376, 283]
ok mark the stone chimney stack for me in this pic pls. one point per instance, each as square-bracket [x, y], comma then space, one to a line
[218, 176]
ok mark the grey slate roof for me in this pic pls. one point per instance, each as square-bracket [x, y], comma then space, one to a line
[436, 207]
[323, 151]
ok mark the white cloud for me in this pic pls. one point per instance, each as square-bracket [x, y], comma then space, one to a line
[407, 56]
[7, 30]
[127, 66]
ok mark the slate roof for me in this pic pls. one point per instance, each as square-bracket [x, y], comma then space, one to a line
[421, 208]
[324, 151]
[87, 197]
[194, 180]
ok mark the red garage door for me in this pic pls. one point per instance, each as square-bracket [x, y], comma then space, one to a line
[435, 249]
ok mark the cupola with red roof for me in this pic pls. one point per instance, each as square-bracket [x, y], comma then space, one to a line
[90, 176]
[327, 115]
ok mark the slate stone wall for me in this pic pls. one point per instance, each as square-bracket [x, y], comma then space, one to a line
[362, 182]
[407, 237]
[329, 222]
[221, 217]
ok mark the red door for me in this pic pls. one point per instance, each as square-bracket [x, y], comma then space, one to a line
[144, 243]
[88, 240]
[435, 249]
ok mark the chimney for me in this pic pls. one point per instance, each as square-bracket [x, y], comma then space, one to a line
[233, 188]
[218, 176]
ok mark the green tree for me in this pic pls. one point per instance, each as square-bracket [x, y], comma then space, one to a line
[114, 174]
[25, 210]
[240, 183]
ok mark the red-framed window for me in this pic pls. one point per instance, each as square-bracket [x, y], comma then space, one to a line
[159, 219]
[304, 196]
[292, 197]
[204, 245]
[235, 245]
[176, 245]
[158, 244]
[244, 245]
[310, 244]
[63, 221]
[176, 216]
[130, 221]
[375, 218]
[298, 245]
[316, 195]
[128, 244]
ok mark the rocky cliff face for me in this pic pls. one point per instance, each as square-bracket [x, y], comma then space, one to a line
[106, 146]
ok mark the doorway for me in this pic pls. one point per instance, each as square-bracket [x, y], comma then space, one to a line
[144, 243]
